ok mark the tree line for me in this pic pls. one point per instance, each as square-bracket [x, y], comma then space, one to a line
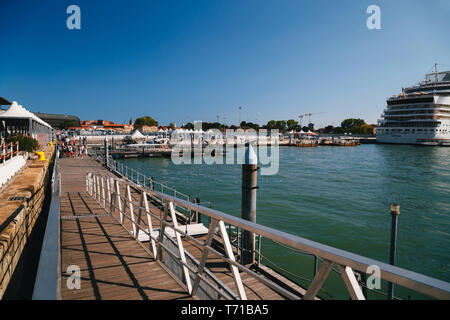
[351, 125]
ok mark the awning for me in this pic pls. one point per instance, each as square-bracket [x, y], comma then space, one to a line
[18, 112]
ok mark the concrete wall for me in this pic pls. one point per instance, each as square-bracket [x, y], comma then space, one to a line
[18, 217]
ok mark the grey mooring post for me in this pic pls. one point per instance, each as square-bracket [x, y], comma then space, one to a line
[106, 152]
[395, 211]
[248, 209]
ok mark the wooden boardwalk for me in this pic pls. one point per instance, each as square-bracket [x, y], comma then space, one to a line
[113, 264]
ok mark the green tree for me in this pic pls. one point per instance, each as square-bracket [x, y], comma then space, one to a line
[172, 126]
[363, 129]
[67, 124]
[146, 121]
[349, 124]
[25, 143]
[271, 125]
[329, 129]
[291, 124]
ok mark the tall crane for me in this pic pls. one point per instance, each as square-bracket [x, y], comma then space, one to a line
[300, 117]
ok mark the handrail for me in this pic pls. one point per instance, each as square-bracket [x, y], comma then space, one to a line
[48, 279]
[346, 261]
[415, 281]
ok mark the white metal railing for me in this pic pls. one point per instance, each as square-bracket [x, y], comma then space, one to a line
[106, 190]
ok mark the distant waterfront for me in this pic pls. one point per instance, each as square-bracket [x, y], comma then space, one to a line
[338, 196]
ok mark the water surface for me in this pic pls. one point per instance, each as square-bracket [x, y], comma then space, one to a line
[339, 196]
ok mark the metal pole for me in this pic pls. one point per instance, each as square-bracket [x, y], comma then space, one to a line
[395, 211]
[151, 187]
[106, 152]
[248, 209]
[316, 264]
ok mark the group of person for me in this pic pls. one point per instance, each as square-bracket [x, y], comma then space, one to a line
[69, 149]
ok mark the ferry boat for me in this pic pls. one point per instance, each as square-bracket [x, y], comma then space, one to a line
[420, 115]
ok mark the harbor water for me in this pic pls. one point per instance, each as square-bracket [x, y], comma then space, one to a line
[339, 196]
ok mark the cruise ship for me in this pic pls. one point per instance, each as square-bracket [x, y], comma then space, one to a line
[420, 114]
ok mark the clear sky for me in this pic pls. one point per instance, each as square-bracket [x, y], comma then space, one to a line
[187, 60]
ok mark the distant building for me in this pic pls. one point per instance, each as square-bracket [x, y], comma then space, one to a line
[107, 125]
[59, 121]
[146, 129]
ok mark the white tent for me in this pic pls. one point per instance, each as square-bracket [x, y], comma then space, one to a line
[19, 112]
[137, 135]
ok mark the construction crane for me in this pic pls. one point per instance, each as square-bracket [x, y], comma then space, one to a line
[300, 117]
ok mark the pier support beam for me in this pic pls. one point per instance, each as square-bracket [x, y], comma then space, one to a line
[248, 209]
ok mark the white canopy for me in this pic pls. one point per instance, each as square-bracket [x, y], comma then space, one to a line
[137, 135]
[19, 112]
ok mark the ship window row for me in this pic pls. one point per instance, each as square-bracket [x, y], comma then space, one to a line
[410, 124]
[418, 106]
[394, 118]
[381, 131]
[417, 112]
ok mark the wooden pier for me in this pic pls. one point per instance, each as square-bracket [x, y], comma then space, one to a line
[123, 239]
[113, 264]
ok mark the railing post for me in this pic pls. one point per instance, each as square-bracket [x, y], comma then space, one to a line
[201, 266]
[98, 188]
[119, 202]
[180, 247]
[130, 205]
[103, 192]
[230, 254]
[395, 211]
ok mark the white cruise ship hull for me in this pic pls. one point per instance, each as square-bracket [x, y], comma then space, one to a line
[405, 138]
[419, 115]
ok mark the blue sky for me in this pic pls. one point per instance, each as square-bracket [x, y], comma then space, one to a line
[181, 61]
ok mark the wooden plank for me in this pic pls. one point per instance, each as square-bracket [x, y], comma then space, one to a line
[112, 264]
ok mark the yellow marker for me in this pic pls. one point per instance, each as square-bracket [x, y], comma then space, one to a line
[41, 155]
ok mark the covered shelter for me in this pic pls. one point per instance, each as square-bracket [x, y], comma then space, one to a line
[136, 135]
[18, 120]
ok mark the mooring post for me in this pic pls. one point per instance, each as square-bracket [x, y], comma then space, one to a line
[395, 211]
[248, 209]
[106, 153]
[150, 184]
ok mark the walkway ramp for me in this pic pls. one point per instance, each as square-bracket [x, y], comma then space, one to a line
[113, 265]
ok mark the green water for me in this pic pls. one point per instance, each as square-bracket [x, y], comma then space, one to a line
[339, 196]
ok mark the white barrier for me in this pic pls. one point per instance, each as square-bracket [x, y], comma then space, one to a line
[10, 168]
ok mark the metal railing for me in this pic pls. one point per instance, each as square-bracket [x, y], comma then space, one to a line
[8, 150]
[48, 279]
[347, 263]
